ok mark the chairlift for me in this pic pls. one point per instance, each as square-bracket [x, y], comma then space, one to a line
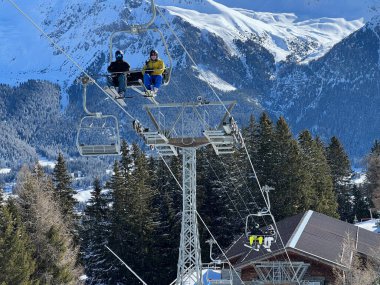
[97, 134]
[135, 77]
[226, 277]
[256, 236]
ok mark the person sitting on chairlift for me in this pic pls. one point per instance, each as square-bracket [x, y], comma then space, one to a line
[118, 68]
[152, 71]
[256, 237]
[269, 237]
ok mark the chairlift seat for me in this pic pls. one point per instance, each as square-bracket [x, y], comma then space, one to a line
[220, 282]
[98, 135]
[134, 76]
[98, 150]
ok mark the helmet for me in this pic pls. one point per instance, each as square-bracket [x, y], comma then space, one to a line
[153, 52]
[119, 54]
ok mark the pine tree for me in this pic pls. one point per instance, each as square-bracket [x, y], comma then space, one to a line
[241, 181]
[341, 174]
[119, 233]
[141, 217]
[316, 164]
[126, 160]
[361, 204]
[62, 182]
[56, 257]
[95, 234]
[17, 264]
[265, 155]
[133, 220]
[251, 138]
[1, 196]
[373, 175]
[292, 187]
[166, 240]
[213, 204]
[339, 163]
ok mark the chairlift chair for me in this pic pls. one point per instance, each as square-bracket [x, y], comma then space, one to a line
[264, 238]
[226, 277]
[135, 77]
[98, 135]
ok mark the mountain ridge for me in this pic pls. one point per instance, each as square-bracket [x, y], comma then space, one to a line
[241, 63]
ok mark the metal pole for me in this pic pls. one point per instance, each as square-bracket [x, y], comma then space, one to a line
[189, 261]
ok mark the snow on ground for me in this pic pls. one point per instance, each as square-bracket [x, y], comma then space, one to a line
[214, 80]
[5, 170]
[83, 195]
[26, 54]
[370, 225]
[306, 9]
[8, 187]
[209, 274]
[359, 178]
[276, 31]
[44, 162]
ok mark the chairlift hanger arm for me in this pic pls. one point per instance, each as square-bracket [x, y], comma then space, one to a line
[153, 7]
[228, 113]
[153, 119]
[85, 80]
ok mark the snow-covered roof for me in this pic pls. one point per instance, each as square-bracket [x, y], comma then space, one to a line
[370, 225]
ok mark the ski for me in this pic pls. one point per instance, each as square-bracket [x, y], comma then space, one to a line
[113, 93]
[148, 93]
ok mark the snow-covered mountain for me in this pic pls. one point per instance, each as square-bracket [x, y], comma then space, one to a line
[83, 30]
[267, 54]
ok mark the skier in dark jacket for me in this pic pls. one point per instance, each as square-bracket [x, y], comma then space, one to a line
[118, 68]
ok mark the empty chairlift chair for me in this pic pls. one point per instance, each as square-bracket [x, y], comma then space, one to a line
[98, 135]
[218, 272]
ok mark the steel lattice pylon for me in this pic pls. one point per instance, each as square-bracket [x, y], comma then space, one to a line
[189, 262]
[167, 141]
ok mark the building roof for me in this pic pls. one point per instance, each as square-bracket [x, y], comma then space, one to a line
[312, 234]
[370, 225]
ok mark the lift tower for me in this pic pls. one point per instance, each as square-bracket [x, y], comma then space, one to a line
[192, 129]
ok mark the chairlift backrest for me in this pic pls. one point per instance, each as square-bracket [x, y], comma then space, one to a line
[98, 135]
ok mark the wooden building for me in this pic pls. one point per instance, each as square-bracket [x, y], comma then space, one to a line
[314, 248]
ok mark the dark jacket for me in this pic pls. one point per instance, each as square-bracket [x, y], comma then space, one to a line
[118, 66]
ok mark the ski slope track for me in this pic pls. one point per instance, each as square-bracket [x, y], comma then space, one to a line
[83, 30]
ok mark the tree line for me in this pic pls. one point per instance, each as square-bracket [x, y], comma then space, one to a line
[44, 239]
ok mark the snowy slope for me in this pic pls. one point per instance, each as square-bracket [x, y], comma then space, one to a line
[83, 30]
[311, 9]
[282, 34]
[27, 54]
